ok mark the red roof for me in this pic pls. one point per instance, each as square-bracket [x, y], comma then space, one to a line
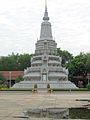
[12, 74]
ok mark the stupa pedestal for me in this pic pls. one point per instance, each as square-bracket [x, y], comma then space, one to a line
[43, 85]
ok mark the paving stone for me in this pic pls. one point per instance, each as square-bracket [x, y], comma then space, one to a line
[15, 103]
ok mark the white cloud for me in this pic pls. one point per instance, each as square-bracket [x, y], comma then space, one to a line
[20, 24]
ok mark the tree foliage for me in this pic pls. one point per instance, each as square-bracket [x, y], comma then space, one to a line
[2, 79]
[79, 65]
[19, 78]
[66, 56]
[88, 86]
[15, 62]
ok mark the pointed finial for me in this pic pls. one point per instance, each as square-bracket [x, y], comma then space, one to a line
[46, 5]
[46, 13]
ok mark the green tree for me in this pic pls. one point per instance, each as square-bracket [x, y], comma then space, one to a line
[79, 65]
[88, 86]
[88, 63]
[24, 61]
[66, 56]
[19, 78]
[15, 62]
[2, 79]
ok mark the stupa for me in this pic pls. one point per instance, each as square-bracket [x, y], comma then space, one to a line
[46, 66]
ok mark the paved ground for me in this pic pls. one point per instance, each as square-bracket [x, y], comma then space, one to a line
[13, 104]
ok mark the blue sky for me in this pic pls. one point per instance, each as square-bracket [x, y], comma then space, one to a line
[20, 22]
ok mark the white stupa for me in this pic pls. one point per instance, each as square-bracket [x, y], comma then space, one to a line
[45, 64]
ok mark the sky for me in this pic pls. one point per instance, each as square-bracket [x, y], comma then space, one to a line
[20, 23]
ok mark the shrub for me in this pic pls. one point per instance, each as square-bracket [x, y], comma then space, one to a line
[19, 78]
[2, 86]
[88, 86]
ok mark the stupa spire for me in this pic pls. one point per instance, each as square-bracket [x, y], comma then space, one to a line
[45, 5]
[46, 31]
[46, 12]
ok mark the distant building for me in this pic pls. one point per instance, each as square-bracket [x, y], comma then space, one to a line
[11, 75]
[81, 81]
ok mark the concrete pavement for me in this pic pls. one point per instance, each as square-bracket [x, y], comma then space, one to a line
[14, 103]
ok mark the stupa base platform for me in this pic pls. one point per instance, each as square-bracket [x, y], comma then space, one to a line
[43, 85]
